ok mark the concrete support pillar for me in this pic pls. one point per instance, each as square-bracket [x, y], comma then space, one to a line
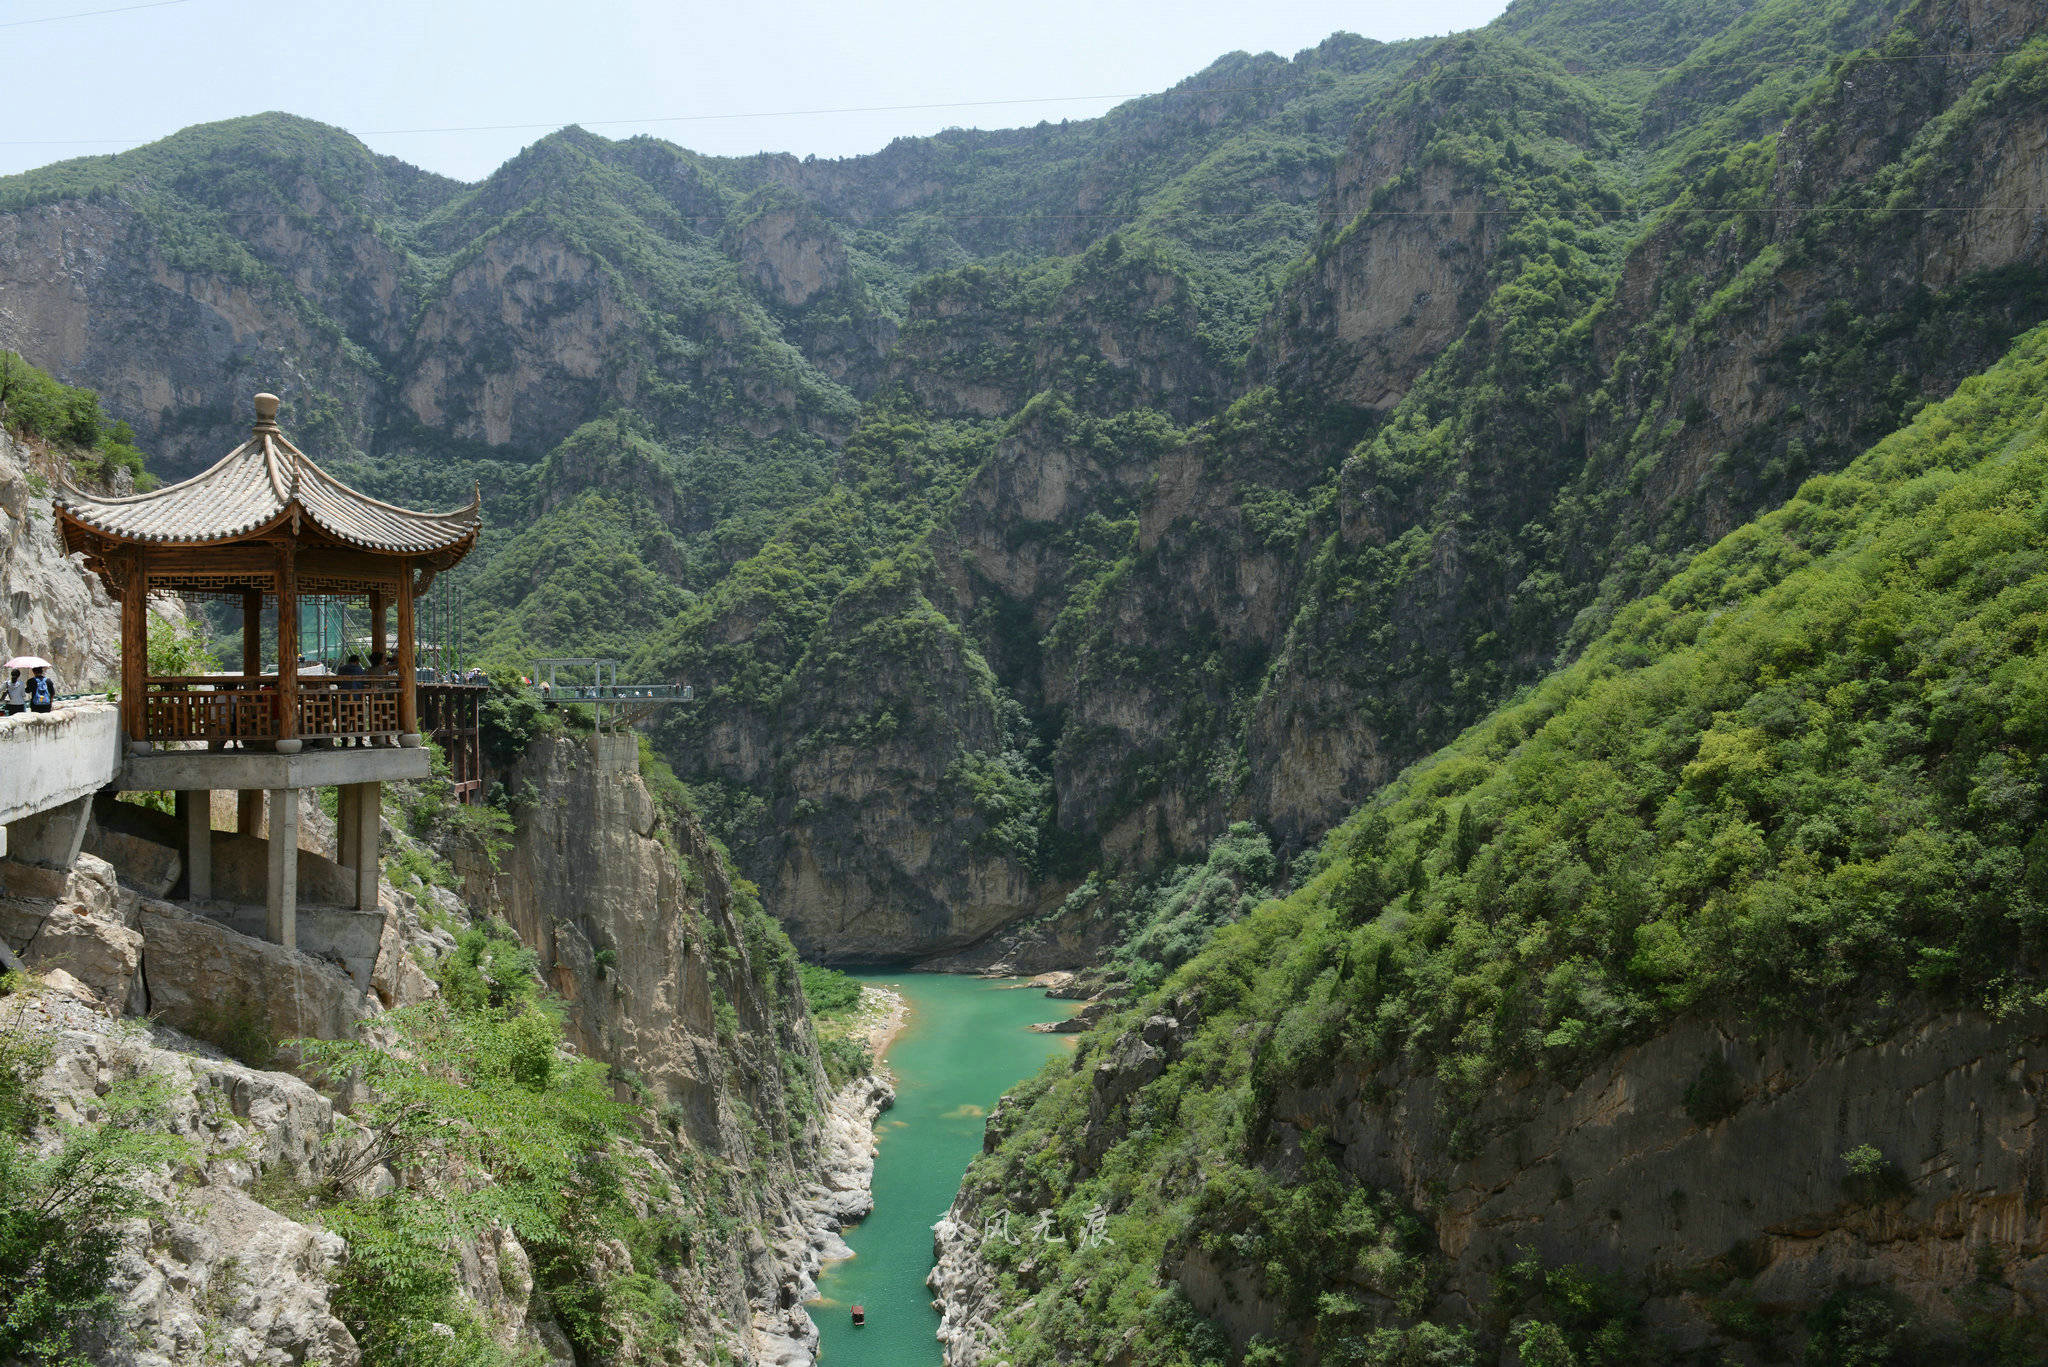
[51, 838]
[283, 892]
[368, 801]
[198, 806]
[249, 811]
[345, 853]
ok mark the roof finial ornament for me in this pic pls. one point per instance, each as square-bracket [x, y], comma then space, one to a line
[266, 412]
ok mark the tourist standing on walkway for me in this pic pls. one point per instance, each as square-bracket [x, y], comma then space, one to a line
[16, 699]
[42, 691]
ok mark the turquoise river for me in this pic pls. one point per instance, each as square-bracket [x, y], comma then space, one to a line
[966, 1042]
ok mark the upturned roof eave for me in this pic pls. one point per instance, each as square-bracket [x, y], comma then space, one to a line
[439, 533]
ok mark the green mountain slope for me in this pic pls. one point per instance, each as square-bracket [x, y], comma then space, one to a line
[1802, 777]
[1252, 439]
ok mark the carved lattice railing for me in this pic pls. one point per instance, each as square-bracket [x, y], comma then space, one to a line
[210, 709]
[218, 709]
[346, 707]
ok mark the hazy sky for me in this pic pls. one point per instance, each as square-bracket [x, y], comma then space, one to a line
[724, 78]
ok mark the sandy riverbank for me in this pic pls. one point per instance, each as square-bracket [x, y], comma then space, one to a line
[883, 1014]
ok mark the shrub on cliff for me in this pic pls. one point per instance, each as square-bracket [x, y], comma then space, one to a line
[35, 405]
[479, 1085]
[62, 1212]
[510, 717]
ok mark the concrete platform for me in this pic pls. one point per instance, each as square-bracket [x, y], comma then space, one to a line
[52, 762]
[190, 770]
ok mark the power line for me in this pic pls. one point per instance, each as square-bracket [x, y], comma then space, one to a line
[1201, 91]
[92, 13]
[1671, 209]
[783, 113]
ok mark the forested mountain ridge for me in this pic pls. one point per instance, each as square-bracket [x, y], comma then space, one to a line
[1033, 502]
[1688, 1010]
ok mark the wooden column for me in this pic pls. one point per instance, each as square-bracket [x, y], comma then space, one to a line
[252, 632]
[198, 806]
[408, 694]
[282, 899]
[134, 643]
[377, 603]
[287, 651]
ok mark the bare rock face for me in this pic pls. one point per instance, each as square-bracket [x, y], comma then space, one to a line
[881, 852]
[214, 1271]
[197, 971]
[90, 292]
[1401, 269]
[559, 333]
[48, 605]
[640, 932]
[1719, 1156]
[79, 922]
[790, 254]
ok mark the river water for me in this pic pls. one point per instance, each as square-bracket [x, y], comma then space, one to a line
[966, 1043]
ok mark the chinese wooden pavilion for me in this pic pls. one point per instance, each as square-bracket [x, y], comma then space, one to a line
[265, 528]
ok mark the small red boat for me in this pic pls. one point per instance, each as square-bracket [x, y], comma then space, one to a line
[860, 1317]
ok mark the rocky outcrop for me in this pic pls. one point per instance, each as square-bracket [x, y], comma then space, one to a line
[89, 291]
[53, 609]
[1412, 228]
[964, 1291]
[228, 1266]
[214, 1270]
[883, 847]
[1718, 1156]
[563, 333]
[205, 973]
[668, 977]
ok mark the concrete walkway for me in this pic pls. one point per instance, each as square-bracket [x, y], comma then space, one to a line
[51, 763]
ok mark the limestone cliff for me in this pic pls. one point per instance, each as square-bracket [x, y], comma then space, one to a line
[52, 608]
[1712, 1169]
[675, 978]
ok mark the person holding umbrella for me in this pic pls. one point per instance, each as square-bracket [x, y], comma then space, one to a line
[39, 691]
[16, 699]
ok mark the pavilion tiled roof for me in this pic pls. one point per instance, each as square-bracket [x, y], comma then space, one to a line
[255, 485]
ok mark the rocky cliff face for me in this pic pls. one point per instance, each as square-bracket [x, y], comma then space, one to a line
[91, 290]
[54, 609]
[674, 978]
[1711, 1163]
[1713, 1170]
[883, 847]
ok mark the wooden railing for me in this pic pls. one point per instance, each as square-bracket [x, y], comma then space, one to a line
[209, 709]
[347, 707]
[217, 708]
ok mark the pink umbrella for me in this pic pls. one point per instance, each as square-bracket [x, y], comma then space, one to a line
[26, 662]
